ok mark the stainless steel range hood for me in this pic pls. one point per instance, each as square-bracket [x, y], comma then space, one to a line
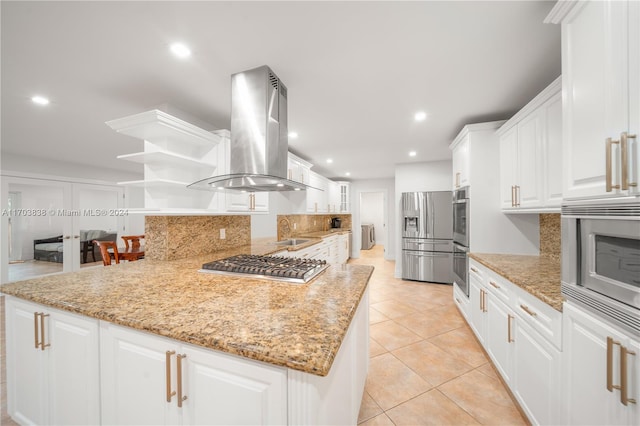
[259, 136]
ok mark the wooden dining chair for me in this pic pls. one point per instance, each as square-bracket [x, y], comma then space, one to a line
[133, 239]
[104, 247]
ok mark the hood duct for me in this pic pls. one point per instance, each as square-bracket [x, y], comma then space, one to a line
[259, 136]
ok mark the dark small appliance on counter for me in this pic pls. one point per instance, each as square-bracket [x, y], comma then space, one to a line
[336, 222]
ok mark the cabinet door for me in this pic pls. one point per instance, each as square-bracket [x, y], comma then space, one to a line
[536, 375]
[133, 381]
[584, 372]
[223, 390]
[499, 338]
[634, 95]
[477, 295]
[528, 169]
[74, 369]
[26, 365]
[461, 164]
[594, 67]
[552, 136]
[508, 164]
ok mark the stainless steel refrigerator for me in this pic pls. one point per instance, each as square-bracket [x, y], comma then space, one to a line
[427, 236]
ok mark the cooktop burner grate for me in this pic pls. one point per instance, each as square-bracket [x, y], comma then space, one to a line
[270, 267]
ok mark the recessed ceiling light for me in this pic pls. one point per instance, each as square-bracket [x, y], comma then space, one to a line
[40, 100]
[296, 189]
[180, 50]
[347, 174]
[412, 153]
[293, 135]
[280, 185]
[329, 160]
[420, 116]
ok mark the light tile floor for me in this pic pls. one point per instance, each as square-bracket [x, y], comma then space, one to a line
[426, 366]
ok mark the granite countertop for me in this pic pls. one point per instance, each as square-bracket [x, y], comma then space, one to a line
[300, 326]
[538, 275]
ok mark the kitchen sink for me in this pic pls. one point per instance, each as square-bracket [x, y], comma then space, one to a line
[290, 242]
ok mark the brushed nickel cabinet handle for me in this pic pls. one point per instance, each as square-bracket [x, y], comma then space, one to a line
[517, 195]
[179, 371]
[481, 300]
[35, 328]
[170, 393]
[610, 343]
[509, 338]
[513, 198]
[494, 284]
[608, 173]
[624, 156]
[624, 398]
[42, 345]
[528, 310]
[474, 269]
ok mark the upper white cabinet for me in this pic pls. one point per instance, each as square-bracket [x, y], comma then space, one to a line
[345, 197]
[601, 81]
[461, 162]
[531, 154]
[176, 153]
[317, 199]
[247, 201]
[298, 169]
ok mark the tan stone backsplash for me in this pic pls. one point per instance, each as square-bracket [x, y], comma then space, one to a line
[550, 235]
[293, 225]
[180, 237]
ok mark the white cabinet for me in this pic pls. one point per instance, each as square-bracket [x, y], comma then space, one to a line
[345, 197]
[298, 169]
[601, 81]
[587, 370]
[52, 365]
[332, 249]
[333, 197]
[247, 201]
[149, 379]
[317, 199]
[530, 154]
[460, 154]
[522, 336]
[176, 153]
[344, 247]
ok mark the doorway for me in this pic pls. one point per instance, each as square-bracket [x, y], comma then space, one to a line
[46, 222]
[373, 213]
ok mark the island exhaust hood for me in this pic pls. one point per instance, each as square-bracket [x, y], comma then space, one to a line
[259, 136]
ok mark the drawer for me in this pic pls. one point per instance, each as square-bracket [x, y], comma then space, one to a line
[476, 270]
[461, 301]
[540, 316]
[499, 286]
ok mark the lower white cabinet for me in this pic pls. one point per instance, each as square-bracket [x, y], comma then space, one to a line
[148, 379]
[52, 365]
[521, 335]
[333, 249]
[587, 370]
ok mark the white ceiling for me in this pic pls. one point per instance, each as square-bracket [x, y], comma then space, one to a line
[356, 73]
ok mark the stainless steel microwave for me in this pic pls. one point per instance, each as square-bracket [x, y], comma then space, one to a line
[601, 257]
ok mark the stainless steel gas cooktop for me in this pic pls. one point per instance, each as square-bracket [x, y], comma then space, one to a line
[287, 269]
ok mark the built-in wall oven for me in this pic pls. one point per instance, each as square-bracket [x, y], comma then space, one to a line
[461, 216]
[601, 258]
[461, 267]
[461, 238]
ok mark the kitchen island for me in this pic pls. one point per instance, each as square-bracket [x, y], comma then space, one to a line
[216, 348]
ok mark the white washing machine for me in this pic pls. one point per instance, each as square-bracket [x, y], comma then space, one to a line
[368, 236]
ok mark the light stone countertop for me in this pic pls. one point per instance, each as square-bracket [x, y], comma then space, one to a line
[300, 326]
[537, 275]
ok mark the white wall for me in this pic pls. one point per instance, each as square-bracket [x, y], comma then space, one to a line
[426, 176]
[387, 187]
[372, 211]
